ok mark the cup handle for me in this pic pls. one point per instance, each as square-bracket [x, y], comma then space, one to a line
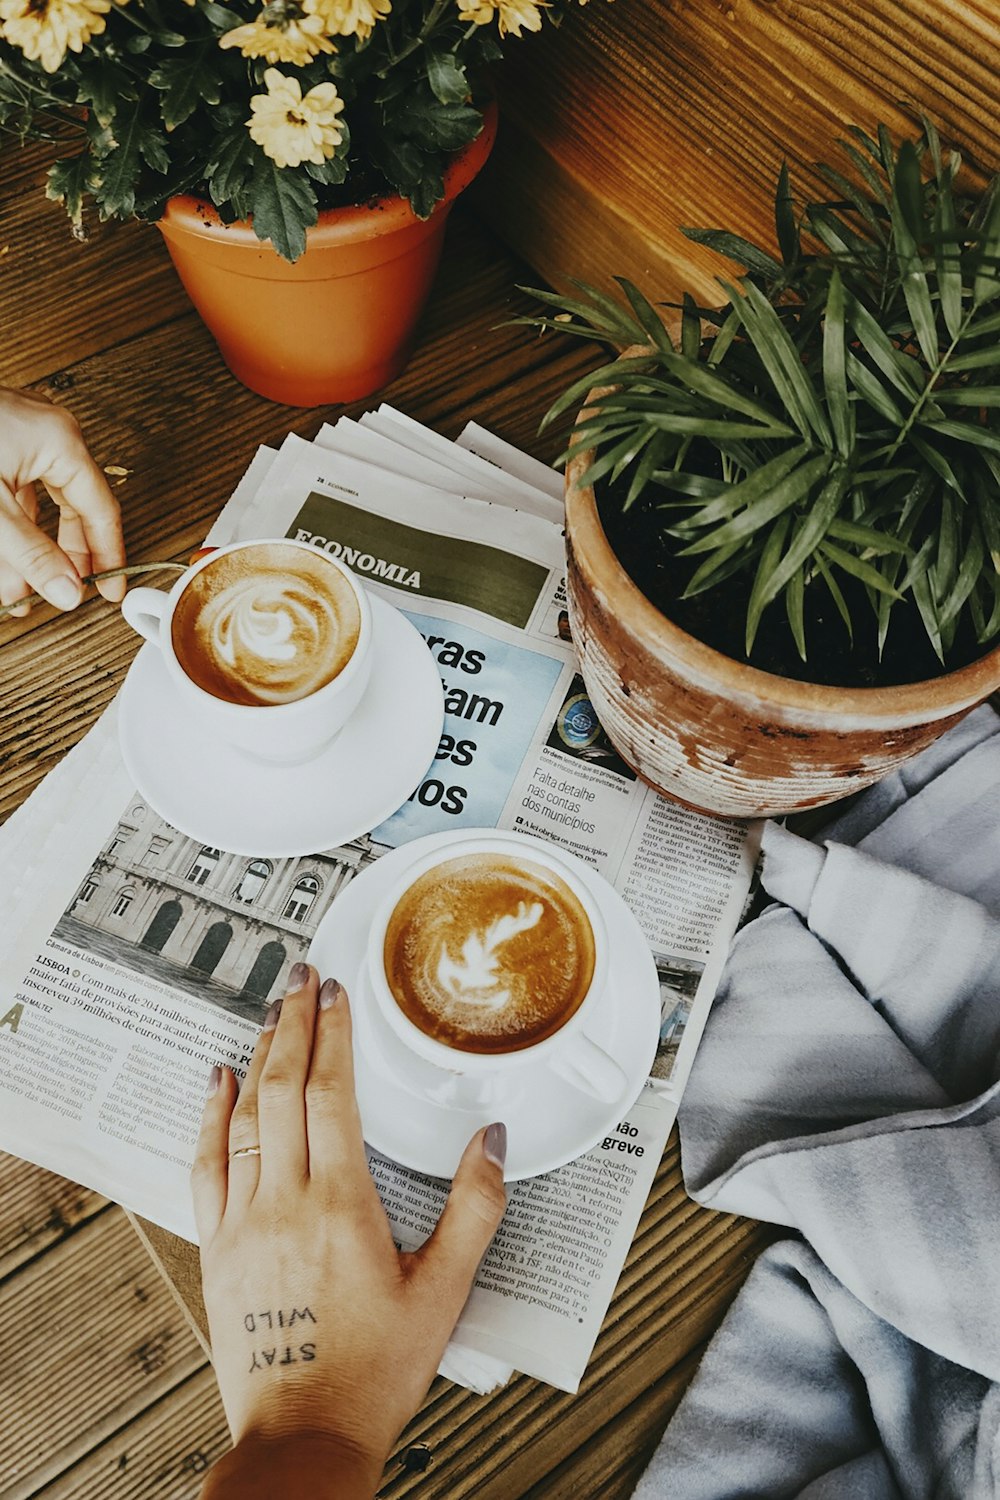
[143, 608]
[590, 1068]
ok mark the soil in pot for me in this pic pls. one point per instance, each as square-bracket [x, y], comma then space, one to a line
[718, 616]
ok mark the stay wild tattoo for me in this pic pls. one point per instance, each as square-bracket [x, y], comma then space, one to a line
[270, 1321]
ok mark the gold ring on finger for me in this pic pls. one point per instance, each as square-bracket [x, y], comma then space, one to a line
[244, 1151]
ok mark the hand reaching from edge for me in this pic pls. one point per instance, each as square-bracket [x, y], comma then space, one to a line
[39, 441]
[325, 1338]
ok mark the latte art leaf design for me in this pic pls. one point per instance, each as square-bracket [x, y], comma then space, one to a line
[268, 632]
[474, 980]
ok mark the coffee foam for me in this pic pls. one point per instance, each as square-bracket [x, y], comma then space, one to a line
[266, 625]
[489, 953]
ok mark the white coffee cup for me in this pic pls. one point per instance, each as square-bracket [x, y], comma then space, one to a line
[277, 733]
[468, 1078]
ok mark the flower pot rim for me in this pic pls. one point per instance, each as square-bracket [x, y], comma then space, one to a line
[931, 697]
[197, 214]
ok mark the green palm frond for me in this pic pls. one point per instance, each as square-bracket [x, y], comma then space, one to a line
[838, 418]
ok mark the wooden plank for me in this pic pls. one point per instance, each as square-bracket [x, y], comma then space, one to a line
[91, 1336]
[610, 1463]
[165, 1451]
[635, 119]
[37, 1210]
[76, 299]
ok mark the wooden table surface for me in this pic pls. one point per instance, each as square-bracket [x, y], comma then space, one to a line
[110, 1394]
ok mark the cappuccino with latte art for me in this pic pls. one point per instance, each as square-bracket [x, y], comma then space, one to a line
[266, 624]
[489, 953]
[267, 644]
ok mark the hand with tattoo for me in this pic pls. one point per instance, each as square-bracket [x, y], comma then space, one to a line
[325, 1338]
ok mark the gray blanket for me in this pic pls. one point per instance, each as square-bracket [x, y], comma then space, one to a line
[847, 1087]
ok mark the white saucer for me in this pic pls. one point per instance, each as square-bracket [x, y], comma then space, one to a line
[549, 1122]
[211, 791]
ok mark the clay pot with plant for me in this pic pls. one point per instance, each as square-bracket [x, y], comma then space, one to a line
[300, 156]
[783, 520]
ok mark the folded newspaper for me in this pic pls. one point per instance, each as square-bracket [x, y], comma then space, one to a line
[136, 957]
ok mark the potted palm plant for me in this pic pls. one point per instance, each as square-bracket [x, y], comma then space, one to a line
[300, 156]
[783, 518]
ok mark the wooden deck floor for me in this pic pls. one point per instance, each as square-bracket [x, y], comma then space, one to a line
[104, 1390]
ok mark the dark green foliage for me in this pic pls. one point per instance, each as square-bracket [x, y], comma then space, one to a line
[839, 415]
[160, 107]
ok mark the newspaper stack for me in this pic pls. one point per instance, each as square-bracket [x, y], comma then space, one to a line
[139, 957]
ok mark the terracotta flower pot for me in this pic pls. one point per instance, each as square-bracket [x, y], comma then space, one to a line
[722, 736]
[339, 322]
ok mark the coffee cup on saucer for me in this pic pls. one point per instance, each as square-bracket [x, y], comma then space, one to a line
[486, 958]
[267, 643]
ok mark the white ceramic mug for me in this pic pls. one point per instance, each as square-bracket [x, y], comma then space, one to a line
[278, 733]
[466, 1078]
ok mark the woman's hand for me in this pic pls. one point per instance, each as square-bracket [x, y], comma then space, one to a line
[324, 1337]
[39, 441]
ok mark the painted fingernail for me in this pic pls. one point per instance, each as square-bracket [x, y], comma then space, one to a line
[271, 1019]
[329, 993]
[214, 1079]
[62, 592]
[495, 1144]
[298, 974]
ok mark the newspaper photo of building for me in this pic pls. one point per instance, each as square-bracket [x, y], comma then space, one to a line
[224, 927]
[679, 979]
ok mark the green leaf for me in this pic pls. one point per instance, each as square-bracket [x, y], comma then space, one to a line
[765, 507]
[714, 570]
[866, 537]
[970, 395]
[868, 387]
[747, 493]
[908, 186]
[734, 247]
[966, 432]
[785, 226]
[283, 206]
[646, 315]
[117, 172]
[187, 81]
[868, 172]
[834, 367]
[707, 427]
[228, 170]
[965, 580]
[863, 571]
[447, 79]
[987, 282]
[442, 127]
[936, 461]
[976, 359]
[947, 249]
[924, 601]
[782, 362]
[690, 329]
[105, 90]
[836, 596]
[913, 279]
[67, 183]
[794, 608]
[898, 368]
[765, 571]
[601, 320]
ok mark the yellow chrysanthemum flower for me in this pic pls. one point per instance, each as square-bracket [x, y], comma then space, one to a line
[513, 16]
[45, 30]
[291, 128]
[349, 17]
[292, 41]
